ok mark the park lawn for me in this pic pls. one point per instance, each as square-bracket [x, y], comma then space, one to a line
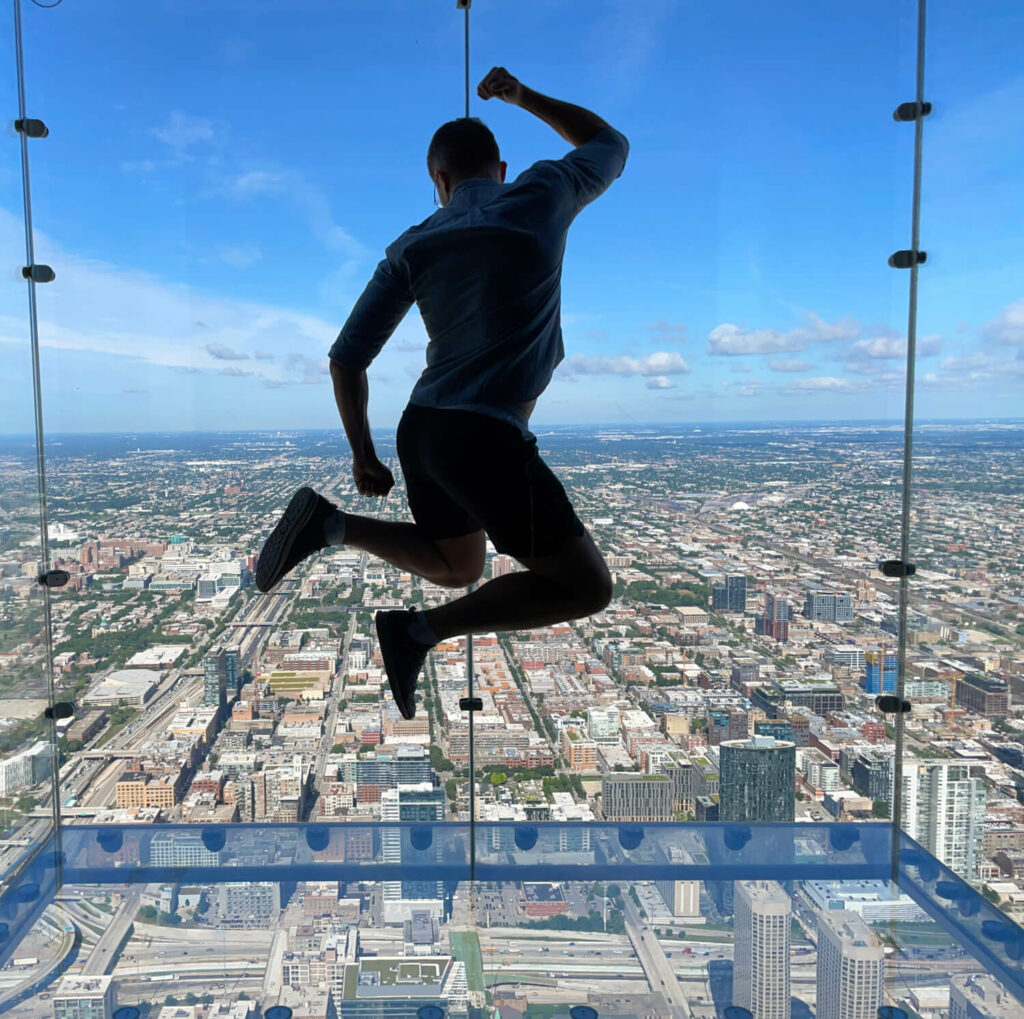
[466, 948]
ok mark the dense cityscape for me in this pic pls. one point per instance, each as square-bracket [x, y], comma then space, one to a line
[733, 678]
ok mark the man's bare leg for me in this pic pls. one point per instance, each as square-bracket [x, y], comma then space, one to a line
[570, 584]
[452, 562]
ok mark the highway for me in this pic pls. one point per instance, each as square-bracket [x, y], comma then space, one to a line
[659, 971]
[105, 953]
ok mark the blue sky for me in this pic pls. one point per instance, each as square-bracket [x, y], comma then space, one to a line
[221, 179]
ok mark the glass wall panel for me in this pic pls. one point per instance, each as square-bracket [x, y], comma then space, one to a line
[962, 772]
[26, 733]
[285, 915]
[744, 492]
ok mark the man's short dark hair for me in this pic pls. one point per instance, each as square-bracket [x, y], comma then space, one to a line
[463, 148]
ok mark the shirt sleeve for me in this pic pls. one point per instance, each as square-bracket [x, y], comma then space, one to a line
[374, 318]
[587, 171]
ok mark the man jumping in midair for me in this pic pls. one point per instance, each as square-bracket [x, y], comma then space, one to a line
[485, 273]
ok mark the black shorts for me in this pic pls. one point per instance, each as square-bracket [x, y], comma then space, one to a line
[466, 471]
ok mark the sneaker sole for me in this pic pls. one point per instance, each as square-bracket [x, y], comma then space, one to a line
[282, 538]
[385, 632]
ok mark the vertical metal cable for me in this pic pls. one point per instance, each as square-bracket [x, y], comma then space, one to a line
[469, 636]
[908, 439]
[37, 396]
[467, 60]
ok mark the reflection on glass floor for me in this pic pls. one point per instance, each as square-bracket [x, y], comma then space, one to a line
[500, 919]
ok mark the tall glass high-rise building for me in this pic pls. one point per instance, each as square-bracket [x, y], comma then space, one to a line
[419, 802]
[758, 778]
[943, 808]
[730, 596]
[879, 677]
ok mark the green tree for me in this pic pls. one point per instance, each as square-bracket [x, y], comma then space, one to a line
[880, 808]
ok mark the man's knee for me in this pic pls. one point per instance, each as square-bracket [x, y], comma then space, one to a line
[459, 578]
[600, 592]
[592, 593]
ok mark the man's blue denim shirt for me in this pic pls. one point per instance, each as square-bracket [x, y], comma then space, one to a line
[485, 272]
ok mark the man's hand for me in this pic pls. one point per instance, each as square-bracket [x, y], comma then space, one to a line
[372, 477]
[498, 82]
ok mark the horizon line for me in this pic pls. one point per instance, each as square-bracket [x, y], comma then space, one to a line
[592, 425]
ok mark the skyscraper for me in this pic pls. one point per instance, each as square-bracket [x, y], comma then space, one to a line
[761, 959]
[214, 680]
[829, 606]
[502, 564]
[851, 967]
[419, 802]
[775, 620]
[232, 671]
[730, 596]
[879, 678]
[222, 675]
[758, 778]
[943, 808]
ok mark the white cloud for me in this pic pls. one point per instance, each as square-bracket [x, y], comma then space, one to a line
[182, 130]
[792, 364]
[660, 382]
[660, 363]
[101, 307]
[894, 346]
[257, 182]
[224, 353]
[242, 257]
[311, 371]
[312, 203]
[1007, 328]
[827, 384]
[732, 340]
[879, 346]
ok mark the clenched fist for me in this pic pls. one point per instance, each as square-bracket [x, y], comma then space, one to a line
[498, 82]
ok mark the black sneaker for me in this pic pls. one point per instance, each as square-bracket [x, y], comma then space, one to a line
[403, 657]
[298, 535]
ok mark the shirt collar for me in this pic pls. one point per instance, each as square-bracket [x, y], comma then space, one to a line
[470, 185]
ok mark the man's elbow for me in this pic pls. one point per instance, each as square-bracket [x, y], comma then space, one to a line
[341, 371]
